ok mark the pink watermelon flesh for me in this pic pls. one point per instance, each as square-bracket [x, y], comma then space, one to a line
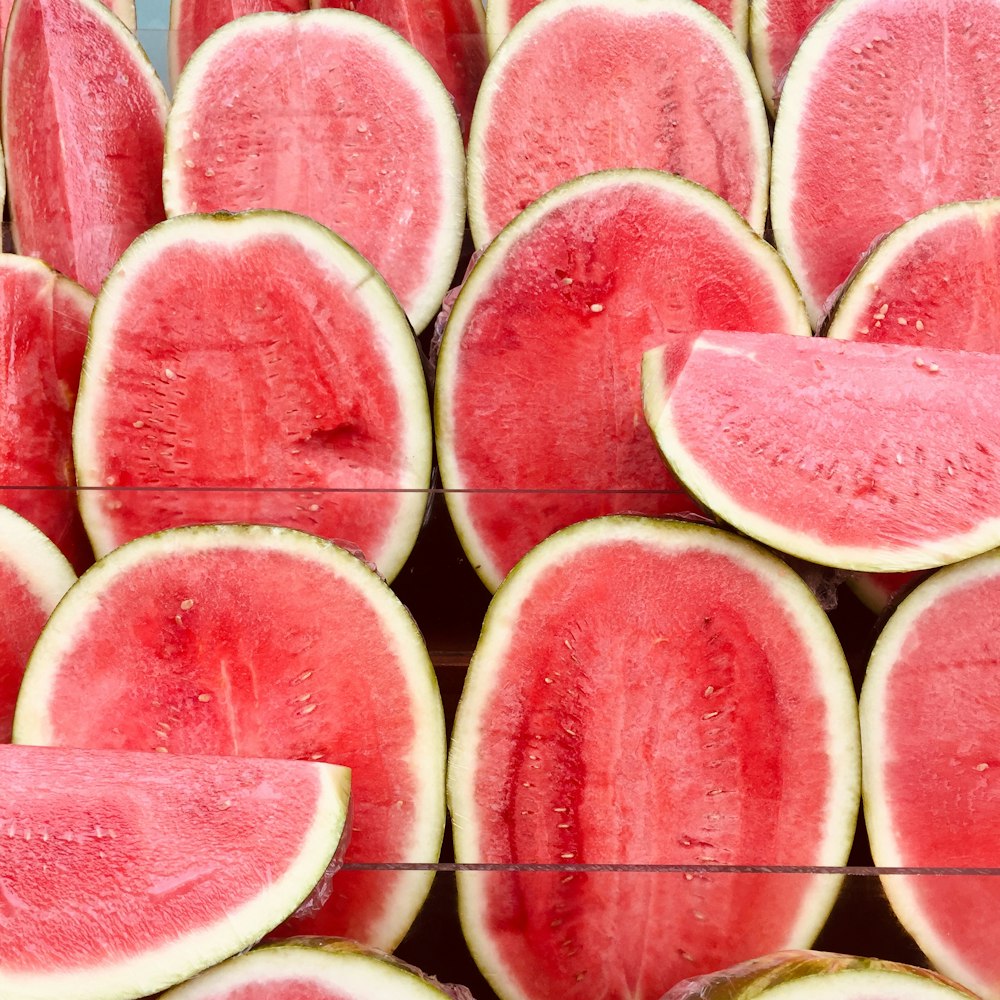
[111, 858]
[852, 161]
[526, 356]
[782, 26]
[43, 333]
[223, 647]
[688, 104]
[449, 34]
[83, 120]
[125, 9]
[649, 697]
[857, 489]
[192, 21]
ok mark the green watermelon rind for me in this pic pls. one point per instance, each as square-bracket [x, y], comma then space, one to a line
[480, 280]
[237, 929]
[33, 726]
[448, 144]
[477, 158]
[337, 256]
[833, 675]
[885, 847]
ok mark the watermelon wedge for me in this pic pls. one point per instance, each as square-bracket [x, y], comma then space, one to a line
[34, 575]
[124, 9]
[537, 386]
[322, 113]
[929, 732]
[124, 873]
[259, 642]
[43, 333]
[268, 326]
[877, 590]
[311, 968]
[648, 692]
[685, 102]
[854, 490]
[83, 115]
[839, 180]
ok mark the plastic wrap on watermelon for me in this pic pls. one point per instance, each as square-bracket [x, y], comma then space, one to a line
[321, 892]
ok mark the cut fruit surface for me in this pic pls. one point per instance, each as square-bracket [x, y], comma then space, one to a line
[327, 125]
[83, 118]
[648, 692]
[929, 731]
[902, 472]
[259, 642]
[537, 385]
[270, 328]
[34, 575]
[863, 143]
[126, 873]
[687, 104]
[124, 9]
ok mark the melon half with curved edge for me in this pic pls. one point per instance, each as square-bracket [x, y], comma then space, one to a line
[259, 642]
[648, 693]
[124, 873]
[852, 161]
[902, 472]
[83, 119]
[252, 369]
[34, 575]
[662, 85]
[929, 730]
[331, 115]
[537, 393]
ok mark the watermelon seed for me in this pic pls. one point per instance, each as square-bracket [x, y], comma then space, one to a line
[697, 915]
[686, 956]
[568, 878]
[596, 308]
[204, 697]
[580, 976]
[224, 805]
[548, 680]
[920, 324]
[688, 877]
[563, 826]
[560, 809]
[864, 329]
[568, 856]
[138, 424]
[933, 368]
[899, 459]
[709, 715]
[304, 676]
[709, 691]
[187, 605]
[901, 321]
[189, 164]
[308, 709]
[209, 172]
[169, 373]
[314, 507]
[161, 749]
[982, 767]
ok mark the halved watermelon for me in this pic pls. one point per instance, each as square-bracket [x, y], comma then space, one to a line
[684, 101]
[34, 575]
[537, 387]
[260, 642]
[929, 733]
[332, 115]
[43, 333]
[124, 873]
[83, 118]
[253, 369]
[865, 141]
[901, 473]
[648, 693]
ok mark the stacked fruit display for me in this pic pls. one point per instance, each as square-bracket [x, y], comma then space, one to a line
[224, 378]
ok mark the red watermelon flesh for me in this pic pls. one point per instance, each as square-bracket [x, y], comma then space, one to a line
[449, 34]
[684, 100]
[259, 642]
[929, 731]
[544, 345]
[647, 692]
[125, 9]
[851, 160]
[83, 120]
[43, 333]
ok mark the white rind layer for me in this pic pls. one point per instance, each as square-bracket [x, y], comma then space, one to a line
[32, 723]
[831, 674]
[760, 51]
[38, 563]
[849, 984]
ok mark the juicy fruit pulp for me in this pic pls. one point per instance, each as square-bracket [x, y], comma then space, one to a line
[131, 872]
[259, 642]
[622, 707]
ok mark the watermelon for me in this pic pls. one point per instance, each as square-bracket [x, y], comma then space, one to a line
[326, 125]
[34, 575]
[648, 692]
[854, 490]
[313, 968]
[449, 34]
[685, 102]
[929, 732]
[269, 326]
[43, 333]
[537, 386]
[877, 590]
[124, 873]
[261, 642]
[83, 115]
[852, 161]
